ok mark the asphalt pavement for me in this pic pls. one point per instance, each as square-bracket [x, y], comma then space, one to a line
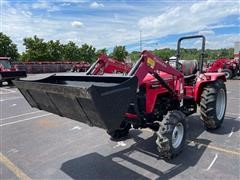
[39, 145]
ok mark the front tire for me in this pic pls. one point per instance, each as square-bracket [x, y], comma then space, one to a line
[213, 104]
[171, 135]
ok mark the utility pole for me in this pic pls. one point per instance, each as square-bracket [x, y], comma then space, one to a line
[140, 40]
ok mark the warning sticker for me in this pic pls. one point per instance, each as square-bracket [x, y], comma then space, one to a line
[150, 62]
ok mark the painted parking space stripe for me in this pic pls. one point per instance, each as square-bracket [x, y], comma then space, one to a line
[2, 100]
[236, 98]
[230, 134]
[12, 167]
[216, 148]
[234, 114]
[23, 120]
[2, 93]
[12, 105]
[8, 90]
[20, 115]
[213, 161]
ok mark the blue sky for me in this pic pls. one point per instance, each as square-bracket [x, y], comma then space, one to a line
[107, 23]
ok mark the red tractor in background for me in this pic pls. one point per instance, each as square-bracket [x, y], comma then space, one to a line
[152, 95]
[104, 64]
[80, 67]
[230, 67]
[8, 72]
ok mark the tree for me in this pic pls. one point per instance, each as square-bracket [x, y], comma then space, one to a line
[165, 53]
[119, 53]
[134, 55]
[55, 50]
[88, 53]
[36, 49]
[101, 51]
[71, 52]
[7, 47]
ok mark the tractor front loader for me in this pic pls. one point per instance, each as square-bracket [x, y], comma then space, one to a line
[153, 95]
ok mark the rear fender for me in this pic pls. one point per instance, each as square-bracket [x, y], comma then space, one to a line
[205, 79]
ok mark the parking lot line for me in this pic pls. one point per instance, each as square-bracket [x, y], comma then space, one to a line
[236, 98]
[2, 93]
[20, 115]
[12, 167]
[234, 114]
[216, 148]
[231, 132]
[220, 149]
[5, 124]
[20, 97]
[213, 161]
[8, 90]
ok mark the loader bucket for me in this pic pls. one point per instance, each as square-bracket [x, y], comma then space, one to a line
[99, 101]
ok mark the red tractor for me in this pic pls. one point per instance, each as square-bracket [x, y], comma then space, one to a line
[80, 67]
[153, 95]
[230, 67]
[8, 72]
[104, 64]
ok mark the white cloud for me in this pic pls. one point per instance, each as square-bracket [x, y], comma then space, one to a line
[96, 5]
[206, 32]
[42, 4]
[77, 24]
[21, 20]
[65, 4]
[185, 18]
[222, 26]
[221, 41]
[72, 1]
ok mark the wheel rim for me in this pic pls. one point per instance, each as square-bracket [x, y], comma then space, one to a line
[220, 104]
[227, 75]
[177, 135]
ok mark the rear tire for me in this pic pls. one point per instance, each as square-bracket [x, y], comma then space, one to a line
[121, 132]
[228, 73]
[171, 135]
[213, 104]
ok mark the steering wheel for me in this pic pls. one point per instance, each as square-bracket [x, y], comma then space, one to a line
[179, 66]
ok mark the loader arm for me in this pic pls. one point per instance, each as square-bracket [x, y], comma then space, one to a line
[105, 64]
[149, 63]
[97, 66]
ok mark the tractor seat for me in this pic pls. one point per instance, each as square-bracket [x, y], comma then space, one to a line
[189, 67]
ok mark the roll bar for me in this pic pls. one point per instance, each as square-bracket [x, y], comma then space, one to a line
[202, 50]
